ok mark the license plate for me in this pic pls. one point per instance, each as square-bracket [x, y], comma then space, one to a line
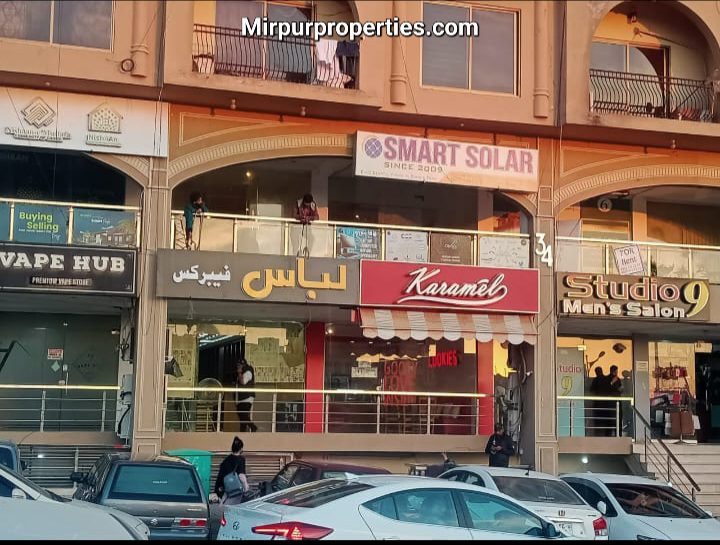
[565, 527]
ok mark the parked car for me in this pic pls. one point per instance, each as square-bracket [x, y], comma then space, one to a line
[380, 507]
[640, 508]
[165, 493]
[14, 486]
[300, 472]
[43, 520]
[10, 456]
[544, 494]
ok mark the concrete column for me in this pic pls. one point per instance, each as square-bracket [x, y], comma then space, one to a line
[641, 380]
[149, 392]
[485, 211]
[542, 45]
[639, 218]
[140, 52]
[319, 189]
[398, 74]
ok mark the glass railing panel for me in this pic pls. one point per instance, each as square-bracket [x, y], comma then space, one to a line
[110, 228]
[40, 223]
[260, 237]
[408, 246]
[451, 248]
[504, 251]
[314, 240]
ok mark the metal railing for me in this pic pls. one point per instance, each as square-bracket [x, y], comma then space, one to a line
[594, 416]
[333, 411]
[226, 51]
[45, 408]
[279, 236]
[659, 459]
[81, 224]
[643, 95]
[660, 259]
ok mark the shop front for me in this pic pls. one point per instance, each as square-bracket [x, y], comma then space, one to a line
[637, 355]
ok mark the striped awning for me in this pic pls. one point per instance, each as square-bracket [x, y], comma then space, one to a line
[420, 325]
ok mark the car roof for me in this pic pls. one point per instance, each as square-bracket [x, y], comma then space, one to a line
[613, 478]
[8, 443]
[349, 468]
[507, 472]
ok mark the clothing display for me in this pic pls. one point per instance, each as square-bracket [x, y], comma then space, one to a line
[328, 65]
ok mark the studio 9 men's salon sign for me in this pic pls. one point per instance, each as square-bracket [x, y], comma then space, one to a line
[64, 269]
[254, 277]
[636, 297]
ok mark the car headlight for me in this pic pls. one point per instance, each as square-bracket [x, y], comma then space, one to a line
[647, 538]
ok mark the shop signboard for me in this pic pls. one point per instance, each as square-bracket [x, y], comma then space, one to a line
[418, 159]
[63, 269]
[68, 121]
[504, 251]
[449, 287]
[358, 243]
[406, 246]
[4, 221]
[451, 248]
[40, 224]
[570, 383]
[113, 228]
[256, 277]
[637, 297]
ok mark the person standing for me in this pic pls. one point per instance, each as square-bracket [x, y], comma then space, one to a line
[598, 388]
[306, 212]
[245, 395]
[499, 447]
[196, 206]
[615, 389]
[231, 482]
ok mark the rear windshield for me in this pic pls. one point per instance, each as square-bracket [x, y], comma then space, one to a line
[655, 501]
[6, 458]
[155, 483]
[319, 493]
[537, 490]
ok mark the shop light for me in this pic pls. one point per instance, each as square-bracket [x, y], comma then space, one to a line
[585, 460]
[330, 331]
[582, 347]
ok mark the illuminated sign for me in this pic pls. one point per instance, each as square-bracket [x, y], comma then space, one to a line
[444, 359]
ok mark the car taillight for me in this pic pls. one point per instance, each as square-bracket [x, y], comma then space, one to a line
[190, 523]
[293, 531]
[600, 527]
[223, 522]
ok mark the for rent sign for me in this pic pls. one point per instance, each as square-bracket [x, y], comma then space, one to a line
[633, 297]
[443, 161]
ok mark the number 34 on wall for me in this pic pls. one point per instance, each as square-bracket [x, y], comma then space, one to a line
[544, 250]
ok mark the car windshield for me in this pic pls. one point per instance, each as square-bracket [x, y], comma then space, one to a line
[537, 490]
[6, 457]
[655, 501]
[320, 493]
[155, 482]
[31, 485]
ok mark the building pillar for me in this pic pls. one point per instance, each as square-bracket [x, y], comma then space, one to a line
[139, 50]
[149, 388]
[641, 381]
[541, 92]
[398, 74]
[485, 385]
[314, 377]
[320, 190]
[639, 218]
[485, 211]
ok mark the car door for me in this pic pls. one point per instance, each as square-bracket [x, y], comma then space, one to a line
[415, 514]
[494, 518]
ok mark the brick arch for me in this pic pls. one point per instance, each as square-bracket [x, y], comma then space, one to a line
[134, 167]
[634, 177]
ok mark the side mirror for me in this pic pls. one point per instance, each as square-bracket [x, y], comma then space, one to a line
[78, 477]
[602, 507]
[23, 465]
[551, 532]
[18, 494]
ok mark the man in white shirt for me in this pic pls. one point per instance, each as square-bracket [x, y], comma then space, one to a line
[245, 396]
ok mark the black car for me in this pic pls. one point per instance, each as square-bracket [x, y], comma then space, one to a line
[165, 493]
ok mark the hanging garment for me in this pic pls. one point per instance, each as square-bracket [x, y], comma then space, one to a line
[328, 65]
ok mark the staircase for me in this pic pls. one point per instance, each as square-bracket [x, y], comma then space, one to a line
[701, 462]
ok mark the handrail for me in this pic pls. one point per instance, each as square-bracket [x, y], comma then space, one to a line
[56, 387]
[638, 242]
[631, 400]
[667, 450]
[324, 392]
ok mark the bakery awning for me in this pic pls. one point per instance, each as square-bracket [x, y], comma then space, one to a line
[420, 325]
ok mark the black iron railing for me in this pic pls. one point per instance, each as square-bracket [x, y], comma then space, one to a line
[643, 95]
[221, 50]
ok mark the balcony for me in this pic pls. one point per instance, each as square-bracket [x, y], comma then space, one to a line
[277, 236]
[226, 51]
[642, 95]
[596, 256]
[50, 222]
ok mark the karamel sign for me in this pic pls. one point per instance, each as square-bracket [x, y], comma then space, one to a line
[633, 297]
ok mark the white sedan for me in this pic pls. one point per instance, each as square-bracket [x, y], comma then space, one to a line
[379, 507]
[545, 494]
[643, 509]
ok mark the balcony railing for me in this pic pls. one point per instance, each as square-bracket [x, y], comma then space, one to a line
[643, 95]
[278, 236]
[596, 256]
[53, 222]
[226, 51]
[593, 416]
[336, 411]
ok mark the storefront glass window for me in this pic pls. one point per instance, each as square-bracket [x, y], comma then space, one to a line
[593, 369]
[207, 354]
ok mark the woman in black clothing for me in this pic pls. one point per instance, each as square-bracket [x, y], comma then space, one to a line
[235, 461]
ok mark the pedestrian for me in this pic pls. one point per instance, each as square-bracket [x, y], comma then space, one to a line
[499, 447]
[245, 395]
[615, 389]
[231, 482]
[306, 212]
[599, 387]
[196, 206]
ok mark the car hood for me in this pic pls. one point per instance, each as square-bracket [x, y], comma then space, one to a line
[680, 528]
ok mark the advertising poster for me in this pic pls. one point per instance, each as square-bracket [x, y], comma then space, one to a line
[110, 228]
[496, 251]
[41, 224]
[185, 352]
[570, 382]
[450, 248]
[409, 246]
[4, 221]
[358, 243]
